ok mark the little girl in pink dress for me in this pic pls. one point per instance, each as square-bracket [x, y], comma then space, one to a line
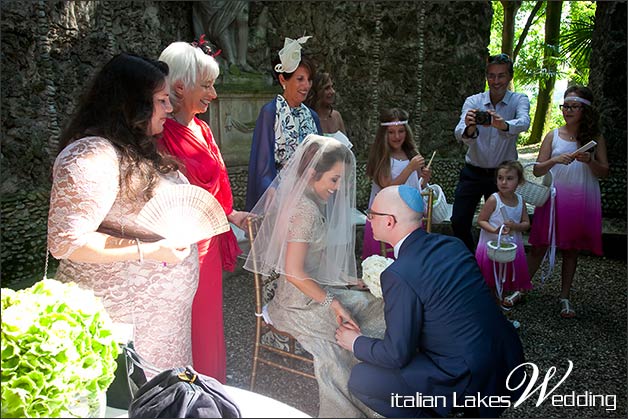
[505, 208]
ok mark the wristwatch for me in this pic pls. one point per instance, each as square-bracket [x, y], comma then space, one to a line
[507, 126]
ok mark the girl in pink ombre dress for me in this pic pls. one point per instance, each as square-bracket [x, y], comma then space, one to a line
[578, 210]
[507, 208]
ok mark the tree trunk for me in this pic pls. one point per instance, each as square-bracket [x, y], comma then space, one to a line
[508, 28]
[550, 61]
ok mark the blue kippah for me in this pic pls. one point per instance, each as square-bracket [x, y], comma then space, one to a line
[411, 197]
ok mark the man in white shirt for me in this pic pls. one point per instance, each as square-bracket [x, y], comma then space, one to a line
[491, 139]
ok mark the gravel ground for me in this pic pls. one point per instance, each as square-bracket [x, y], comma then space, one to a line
[595, 341]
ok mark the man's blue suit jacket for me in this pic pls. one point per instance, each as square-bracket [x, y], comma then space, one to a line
[444, 330]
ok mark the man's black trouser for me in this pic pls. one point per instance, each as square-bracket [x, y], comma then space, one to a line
[474, 182]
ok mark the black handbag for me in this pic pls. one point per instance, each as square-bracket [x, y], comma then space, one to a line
[183, 393]
[129, 377]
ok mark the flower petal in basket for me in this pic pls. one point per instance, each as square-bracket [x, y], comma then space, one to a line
[184, 214]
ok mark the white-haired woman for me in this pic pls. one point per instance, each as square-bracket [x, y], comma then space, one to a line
[193, 71]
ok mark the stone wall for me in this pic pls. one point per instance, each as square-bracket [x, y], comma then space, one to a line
[425, 57]
[608, 80]
[49, 51]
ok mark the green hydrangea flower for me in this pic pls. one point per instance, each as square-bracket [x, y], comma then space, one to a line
[57, 343]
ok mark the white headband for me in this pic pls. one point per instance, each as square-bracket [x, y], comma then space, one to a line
[392, 123]
[577, 99]
[290, 55]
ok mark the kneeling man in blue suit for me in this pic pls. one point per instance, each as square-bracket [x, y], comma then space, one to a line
[447, 348]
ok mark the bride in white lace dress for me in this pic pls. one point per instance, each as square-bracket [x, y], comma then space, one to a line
[106, 172]
[308, 238]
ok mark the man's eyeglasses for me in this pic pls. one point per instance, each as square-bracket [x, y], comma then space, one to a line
[569, 108]
[370, 214]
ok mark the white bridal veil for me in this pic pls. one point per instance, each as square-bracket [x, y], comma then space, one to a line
[292, 211]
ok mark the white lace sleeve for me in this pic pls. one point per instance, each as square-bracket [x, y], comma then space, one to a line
[85, 185]
[304, 223]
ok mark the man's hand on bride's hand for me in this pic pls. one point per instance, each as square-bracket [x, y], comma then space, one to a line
[345, 337]
[343, 317]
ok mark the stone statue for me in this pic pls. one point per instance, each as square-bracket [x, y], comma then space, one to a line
[226, 25]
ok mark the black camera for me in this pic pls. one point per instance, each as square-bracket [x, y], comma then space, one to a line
[482, 118]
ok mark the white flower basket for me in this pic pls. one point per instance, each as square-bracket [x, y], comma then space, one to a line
[535, 193]
[441, 210]
[501, 251]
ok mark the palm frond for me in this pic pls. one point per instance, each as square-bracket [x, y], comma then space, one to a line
[575, 43]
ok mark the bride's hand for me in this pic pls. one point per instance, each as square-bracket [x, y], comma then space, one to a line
[361, 285]
[343, 317]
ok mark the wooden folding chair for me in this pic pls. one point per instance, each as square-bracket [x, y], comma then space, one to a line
[261, 327]
[426, 220]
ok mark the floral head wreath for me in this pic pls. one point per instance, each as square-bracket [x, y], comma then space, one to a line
[204, 46]
[290, 55]
[393, 123]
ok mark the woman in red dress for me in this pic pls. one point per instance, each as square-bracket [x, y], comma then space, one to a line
[193, 71]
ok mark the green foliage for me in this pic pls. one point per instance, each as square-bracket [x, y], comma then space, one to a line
[554, 120]
[57, 345]
[575, 42]
[573, 51]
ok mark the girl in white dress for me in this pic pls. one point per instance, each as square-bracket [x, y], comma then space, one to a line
[578, 205]
[393, 160]
[505, 207]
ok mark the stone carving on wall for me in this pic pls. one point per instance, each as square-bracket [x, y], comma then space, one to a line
[226, 25]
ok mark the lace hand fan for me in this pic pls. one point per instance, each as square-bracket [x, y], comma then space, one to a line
[184, 214]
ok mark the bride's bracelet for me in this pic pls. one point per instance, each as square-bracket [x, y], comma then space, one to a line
[329, 297]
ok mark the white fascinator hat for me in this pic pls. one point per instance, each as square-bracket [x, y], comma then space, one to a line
[290, 55]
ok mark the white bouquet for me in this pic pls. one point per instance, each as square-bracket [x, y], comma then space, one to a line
[372, 267]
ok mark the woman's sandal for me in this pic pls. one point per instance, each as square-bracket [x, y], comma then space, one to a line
[566, 310]
[512, 299]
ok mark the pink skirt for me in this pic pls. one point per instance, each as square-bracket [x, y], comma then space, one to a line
[578, 221]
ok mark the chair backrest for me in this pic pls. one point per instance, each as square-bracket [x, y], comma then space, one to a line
[253, 223]
[427, 213]
[426, 220]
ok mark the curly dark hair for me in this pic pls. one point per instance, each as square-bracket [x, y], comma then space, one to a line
[118, 105]
[589, 128]
[378, 162]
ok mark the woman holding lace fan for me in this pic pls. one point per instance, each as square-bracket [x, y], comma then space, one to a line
[307, 237]
[107, 170]
[193, 71]
[283, 122]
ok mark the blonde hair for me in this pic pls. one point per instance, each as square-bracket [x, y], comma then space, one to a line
[188, 64]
